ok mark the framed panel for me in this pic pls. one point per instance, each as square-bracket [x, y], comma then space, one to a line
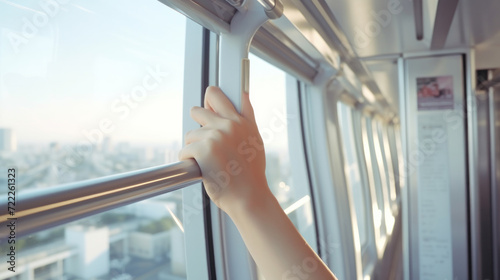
[437, 168]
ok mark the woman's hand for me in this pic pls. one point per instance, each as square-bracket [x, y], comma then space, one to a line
[229, 150]
[230, 153]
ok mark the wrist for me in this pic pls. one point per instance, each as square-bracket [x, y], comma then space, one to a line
[256, 199]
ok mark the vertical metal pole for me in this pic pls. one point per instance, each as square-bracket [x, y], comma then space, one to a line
[234, 70]
[495, 207]
[474, 226]
[403, 174]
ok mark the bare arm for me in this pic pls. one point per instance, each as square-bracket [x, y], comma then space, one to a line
[230, 153]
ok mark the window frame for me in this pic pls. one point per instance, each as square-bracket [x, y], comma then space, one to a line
[198, 259]
[376, 183]
[380, 153]
[298, 150]
[389, 159]
[374, 255]
[189, 239]
[396, 159]
[369, 250]
[325, 148]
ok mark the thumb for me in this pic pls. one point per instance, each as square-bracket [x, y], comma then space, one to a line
[246, 107]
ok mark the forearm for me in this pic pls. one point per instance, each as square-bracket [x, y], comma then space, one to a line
[276, 246]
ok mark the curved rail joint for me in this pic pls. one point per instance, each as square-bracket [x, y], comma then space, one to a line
[234, 65]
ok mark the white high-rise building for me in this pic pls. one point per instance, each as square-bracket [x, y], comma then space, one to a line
[7, 140]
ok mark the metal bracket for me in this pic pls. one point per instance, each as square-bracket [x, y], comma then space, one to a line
[274, 8]
[235, 46]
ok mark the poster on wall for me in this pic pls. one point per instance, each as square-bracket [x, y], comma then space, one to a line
[433, 192]
[435, 93]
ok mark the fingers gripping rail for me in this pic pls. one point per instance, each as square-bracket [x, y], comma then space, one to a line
[45, 208]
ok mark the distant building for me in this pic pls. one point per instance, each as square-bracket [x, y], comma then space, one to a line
[92, 245]
[149, 246]
[7, 140]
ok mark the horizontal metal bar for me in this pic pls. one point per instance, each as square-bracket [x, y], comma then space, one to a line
[276, 47]
[214, 15]
[36, 210]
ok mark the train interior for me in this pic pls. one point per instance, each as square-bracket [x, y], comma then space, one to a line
[379, 118]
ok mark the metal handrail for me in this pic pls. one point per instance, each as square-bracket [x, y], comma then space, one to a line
[39, 209]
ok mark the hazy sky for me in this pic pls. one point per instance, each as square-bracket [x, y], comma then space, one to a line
[268, 97]
[63, 74]
[73, 71]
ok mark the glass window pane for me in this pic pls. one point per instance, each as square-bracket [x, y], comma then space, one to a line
[382, 165]
[373, 174]
[90, 89]
[352, 171]
[381, 155]
[268, 97]
[386, 151]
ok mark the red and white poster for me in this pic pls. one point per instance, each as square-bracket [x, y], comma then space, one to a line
[435, 93]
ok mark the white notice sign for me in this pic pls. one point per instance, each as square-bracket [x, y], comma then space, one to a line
[434, 219]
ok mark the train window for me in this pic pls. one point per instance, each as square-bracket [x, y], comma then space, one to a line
[268, 97]
[92, 89]
[352, 171]
[386, 152]
[383, 172]
[374, 179]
